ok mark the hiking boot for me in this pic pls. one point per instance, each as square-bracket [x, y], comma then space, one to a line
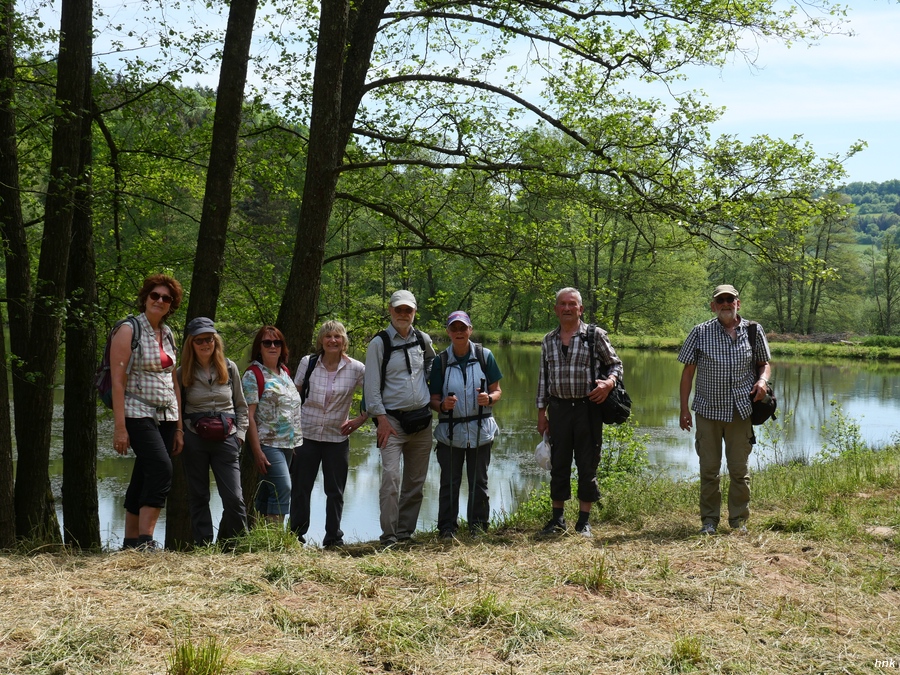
[554, 526]
[708, 528]
[584, 529]
[447, 534]
[739, 528]
[151, 546]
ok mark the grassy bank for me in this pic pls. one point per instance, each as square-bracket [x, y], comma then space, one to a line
[814, 587]
[860, 348]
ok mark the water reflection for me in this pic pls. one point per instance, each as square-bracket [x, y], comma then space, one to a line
[870, 393]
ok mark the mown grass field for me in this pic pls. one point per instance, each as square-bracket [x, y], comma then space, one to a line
[813, 588]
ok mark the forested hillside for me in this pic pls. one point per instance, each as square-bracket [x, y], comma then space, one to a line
[877, 208]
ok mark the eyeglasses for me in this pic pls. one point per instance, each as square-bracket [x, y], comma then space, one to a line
[722, 299]
[271, 343]
[161, 296]
[204, 340]
[404, 309]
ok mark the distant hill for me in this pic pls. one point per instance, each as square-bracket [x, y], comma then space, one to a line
[877, 206]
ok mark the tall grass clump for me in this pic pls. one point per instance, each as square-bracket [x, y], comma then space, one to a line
[265, 537]
[189, 659]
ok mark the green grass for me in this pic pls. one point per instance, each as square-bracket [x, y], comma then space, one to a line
[869, 348]
[208, 658]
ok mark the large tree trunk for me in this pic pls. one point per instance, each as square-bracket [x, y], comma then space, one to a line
[81, 519]
[7, 501]
[10, 228]
[209, 259]
[35, 513]
[346, 37]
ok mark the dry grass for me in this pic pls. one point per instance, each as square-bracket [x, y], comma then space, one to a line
[655, 599]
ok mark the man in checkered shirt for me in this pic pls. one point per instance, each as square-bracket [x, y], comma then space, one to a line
[730, 373]
[566, 390]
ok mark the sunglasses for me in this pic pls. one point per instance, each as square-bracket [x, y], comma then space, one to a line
[722, 299]
[271, 343]
[161, 296]
[404, 309]
[204, 340]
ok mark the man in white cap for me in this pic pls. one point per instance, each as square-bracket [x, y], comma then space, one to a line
[731, 372]
[398, 361]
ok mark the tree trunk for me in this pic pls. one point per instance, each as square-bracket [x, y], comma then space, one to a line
[346, 37]
[7, 500]
[209, 258]
[12, 232]
[35, 513]
[81, 519]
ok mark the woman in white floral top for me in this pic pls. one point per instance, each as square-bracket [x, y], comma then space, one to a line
[274, 431]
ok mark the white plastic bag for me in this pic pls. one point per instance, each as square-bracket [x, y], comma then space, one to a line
[542, 453]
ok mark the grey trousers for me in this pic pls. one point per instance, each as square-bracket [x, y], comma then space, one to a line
[222, 457]
[404, 467]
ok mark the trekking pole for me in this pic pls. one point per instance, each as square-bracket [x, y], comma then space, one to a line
[480, 409]
[477, 440]
[450, 435]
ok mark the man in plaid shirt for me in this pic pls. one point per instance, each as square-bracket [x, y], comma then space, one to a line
[730, 373]
[565, 388]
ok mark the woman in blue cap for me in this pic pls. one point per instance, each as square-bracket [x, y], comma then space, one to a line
[465, 386]
[215, 424]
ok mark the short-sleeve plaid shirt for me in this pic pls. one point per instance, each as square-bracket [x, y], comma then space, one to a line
[149, 380]
[726, 369]
[321, 422]
[568, 375]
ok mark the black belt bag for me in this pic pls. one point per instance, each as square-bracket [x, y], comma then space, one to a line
[413, 421]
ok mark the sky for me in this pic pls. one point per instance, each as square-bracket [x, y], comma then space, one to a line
[844, 89]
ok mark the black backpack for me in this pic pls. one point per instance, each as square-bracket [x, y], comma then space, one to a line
[762, 410]
[304, 390]
[103, 375]
[388, 348]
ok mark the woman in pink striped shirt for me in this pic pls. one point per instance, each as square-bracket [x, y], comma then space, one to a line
[326, 381]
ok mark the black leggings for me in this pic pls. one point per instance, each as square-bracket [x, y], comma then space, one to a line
[151, 477]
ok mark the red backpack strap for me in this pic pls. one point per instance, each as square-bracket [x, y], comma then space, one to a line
[260, 380]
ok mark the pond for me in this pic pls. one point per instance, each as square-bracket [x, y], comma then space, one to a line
[868, 393]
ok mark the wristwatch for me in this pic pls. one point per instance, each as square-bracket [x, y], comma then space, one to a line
[490, 399]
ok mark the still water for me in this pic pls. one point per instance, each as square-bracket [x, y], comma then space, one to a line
[869, 393]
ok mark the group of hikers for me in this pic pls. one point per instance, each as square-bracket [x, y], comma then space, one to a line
[205, 410]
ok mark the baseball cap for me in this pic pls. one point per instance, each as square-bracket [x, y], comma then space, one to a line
[459, 315]
[200, 325]
[403, 298]
[725, 289]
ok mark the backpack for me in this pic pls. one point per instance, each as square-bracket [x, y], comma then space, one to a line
[304, 390]
[260, 378]
[103, 375]
[762, 410]
[388, 348]
[616, 407]
[479, 354]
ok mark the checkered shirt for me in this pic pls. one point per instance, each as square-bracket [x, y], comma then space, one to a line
[149, 380]
[321, 423]
[570, 374]
[726, 369]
